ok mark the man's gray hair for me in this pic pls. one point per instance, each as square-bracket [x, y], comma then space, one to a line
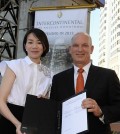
[81, 33]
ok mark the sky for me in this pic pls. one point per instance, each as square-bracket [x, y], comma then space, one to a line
[94, 32]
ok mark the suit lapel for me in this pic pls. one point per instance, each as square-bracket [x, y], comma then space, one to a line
[90, 82]
[91, 79]
[70, 83]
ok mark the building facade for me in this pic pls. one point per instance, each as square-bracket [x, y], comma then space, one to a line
[109, 36]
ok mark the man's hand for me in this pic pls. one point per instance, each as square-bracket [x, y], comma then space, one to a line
[92, 106]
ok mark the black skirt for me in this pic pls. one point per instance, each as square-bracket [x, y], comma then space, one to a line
[6, 127]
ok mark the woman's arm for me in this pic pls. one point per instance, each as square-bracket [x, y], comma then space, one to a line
[5, 89]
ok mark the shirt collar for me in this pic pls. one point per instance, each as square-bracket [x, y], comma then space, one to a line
[86, 68]
[29, 61]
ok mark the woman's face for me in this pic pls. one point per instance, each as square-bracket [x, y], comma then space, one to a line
[34, 48]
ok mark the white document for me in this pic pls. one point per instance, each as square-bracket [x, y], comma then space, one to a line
[74, 117]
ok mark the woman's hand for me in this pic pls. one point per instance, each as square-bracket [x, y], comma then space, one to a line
[46, 96]
[18, 129]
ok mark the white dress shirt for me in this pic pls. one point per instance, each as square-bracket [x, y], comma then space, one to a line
[31, 78]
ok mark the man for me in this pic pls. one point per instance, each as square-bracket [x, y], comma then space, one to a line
[102, 86]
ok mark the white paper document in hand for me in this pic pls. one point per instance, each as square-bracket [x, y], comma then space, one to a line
[74, 117]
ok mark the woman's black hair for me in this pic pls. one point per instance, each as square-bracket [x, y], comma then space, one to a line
[41, 36]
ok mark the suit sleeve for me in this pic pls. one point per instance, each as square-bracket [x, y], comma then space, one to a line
[112, 110]
[53, 94]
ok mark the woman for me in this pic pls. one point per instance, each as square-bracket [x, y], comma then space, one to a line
[22, 77]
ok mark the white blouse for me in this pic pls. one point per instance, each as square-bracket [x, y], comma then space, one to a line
[31, 78]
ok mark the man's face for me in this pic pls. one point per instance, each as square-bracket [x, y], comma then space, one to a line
[81, 49]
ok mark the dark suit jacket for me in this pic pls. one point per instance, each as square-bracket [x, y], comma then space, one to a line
[102, 85]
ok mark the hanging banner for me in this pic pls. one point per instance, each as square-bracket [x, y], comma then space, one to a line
[60, 26]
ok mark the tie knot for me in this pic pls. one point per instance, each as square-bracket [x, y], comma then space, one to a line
[81, 70]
